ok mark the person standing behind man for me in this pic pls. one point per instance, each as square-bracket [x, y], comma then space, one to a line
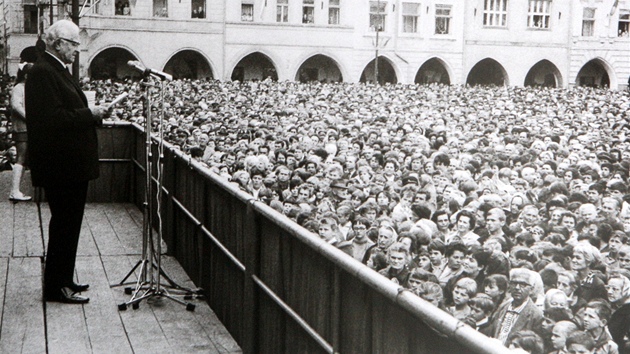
[63, 153]
[18, 121]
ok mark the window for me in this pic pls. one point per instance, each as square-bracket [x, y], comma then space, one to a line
[495, 13]
[377, 15]
[198, 9]
[442, 19]
[247, 12]
[539, 13]
[333, 12]
[588, 22]
[160, 8]
[410, 17]
[308, 11]
[624, 23]
[282, 11]
[30, 19]
[122, 8]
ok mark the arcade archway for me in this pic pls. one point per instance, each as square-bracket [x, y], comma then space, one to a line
[255, 66]
[487, 72]
[433, 71]
[111, 63]
[188, 64]
[319, 68]
[593, 74]
[386, 72]
[545, 74]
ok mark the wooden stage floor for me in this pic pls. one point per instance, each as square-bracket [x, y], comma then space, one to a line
[110, 245]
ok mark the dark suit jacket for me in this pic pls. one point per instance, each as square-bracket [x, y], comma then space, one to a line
[530, 318]
[62, 142]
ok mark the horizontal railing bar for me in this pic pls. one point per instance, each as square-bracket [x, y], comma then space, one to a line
[115, 160]
[289, 311]
[227, 252]
[214, 240]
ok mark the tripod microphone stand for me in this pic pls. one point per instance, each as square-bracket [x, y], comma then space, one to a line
[148, 284]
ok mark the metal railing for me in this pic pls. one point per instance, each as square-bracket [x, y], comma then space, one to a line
[279, 288]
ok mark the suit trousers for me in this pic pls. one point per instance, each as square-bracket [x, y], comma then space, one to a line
[67, 205]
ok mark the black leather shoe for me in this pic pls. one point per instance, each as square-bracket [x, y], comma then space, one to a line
[66, 296]
[77, 288]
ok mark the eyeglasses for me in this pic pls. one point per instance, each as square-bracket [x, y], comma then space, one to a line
[74, 43]
[518, 284]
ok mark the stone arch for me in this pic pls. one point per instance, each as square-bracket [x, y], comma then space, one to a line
[488, 72]
[254, 66]
[595, 73]
[111, 63]
[434, 70]
[189, 64]
[545, 74]
[386, 71]
[319, 67]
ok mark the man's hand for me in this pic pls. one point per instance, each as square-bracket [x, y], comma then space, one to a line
[100, 112]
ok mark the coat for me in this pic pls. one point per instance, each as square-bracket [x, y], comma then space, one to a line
[62, 140]
[530, 318]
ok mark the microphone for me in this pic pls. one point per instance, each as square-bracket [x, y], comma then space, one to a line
[147, 71]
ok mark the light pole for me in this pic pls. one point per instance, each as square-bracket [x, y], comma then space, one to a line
[377, 28]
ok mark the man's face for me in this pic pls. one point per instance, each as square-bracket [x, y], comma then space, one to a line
[592, 320]
[493, 224]
[359, 231]
[564, 284]
[615, 290]
[326, 231]
[530, 216]
[283, 175]
[520, 288]
[593, 196]
[230, 160]
[385, 238]
[68, 47]
[397, 260]
[436, 257]
[257, 181]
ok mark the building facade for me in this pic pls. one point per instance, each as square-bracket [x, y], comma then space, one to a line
[558, 43]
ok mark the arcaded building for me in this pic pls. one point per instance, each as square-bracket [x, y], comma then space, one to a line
[558, 43]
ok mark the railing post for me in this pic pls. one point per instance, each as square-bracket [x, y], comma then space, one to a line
[251, 252]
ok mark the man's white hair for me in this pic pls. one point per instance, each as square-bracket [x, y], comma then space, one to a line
[59, 29]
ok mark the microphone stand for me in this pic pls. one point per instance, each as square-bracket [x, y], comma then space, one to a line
[148, 284]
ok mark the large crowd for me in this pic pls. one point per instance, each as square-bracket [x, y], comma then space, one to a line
[506, 207]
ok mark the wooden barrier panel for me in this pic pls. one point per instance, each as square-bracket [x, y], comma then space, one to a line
[275, 286]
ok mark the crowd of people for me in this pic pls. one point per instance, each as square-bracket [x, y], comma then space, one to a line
[506, 207]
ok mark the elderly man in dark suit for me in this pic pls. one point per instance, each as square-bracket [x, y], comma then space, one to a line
[63, 152]
[520, 312]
